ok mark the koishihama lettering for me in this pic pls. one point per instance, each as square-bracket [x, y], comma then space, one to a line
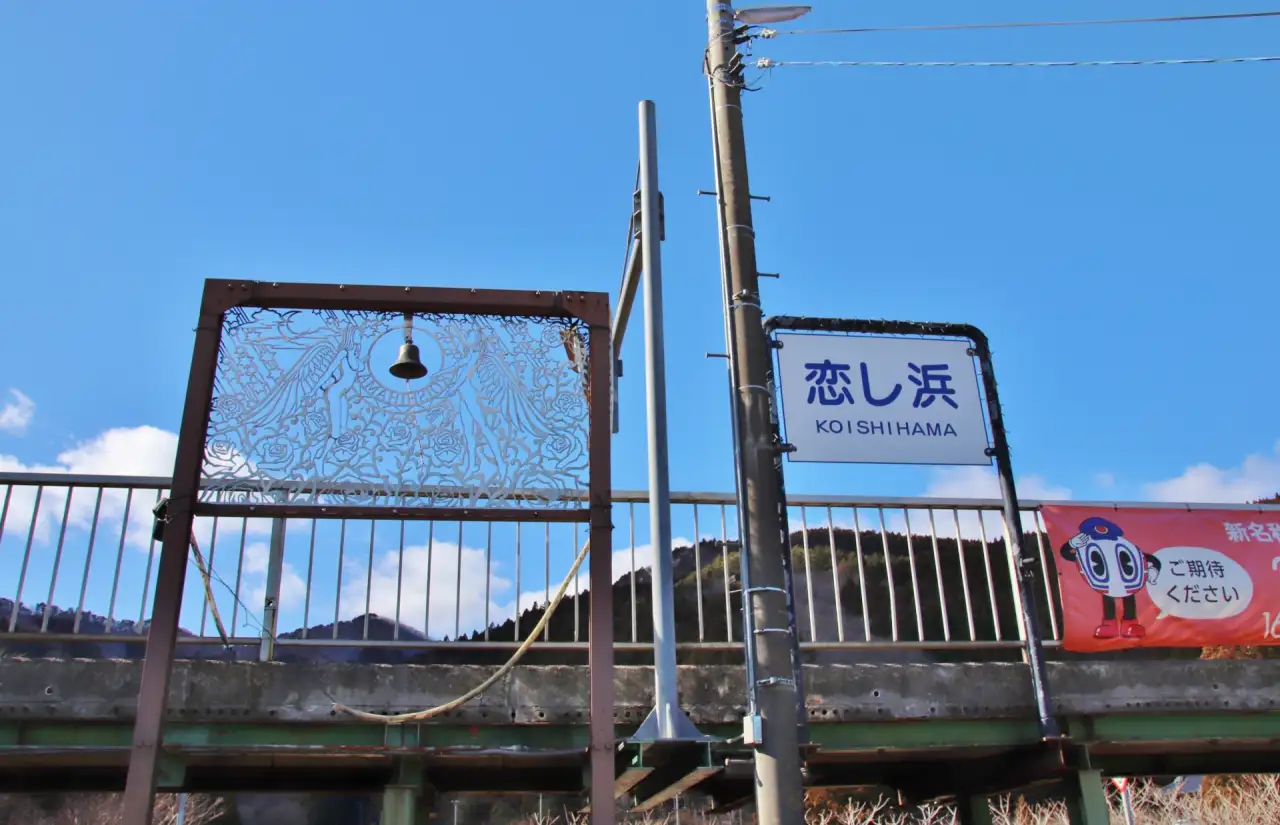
[836, 426]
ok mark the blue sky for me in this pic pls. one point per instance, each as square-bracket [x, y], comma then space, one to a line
[1112, 229]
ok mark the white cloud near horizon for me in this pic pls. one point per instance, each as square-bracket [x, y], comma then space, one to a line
[1257, 476]
[122, 451]
[17, 412]
[981, 482]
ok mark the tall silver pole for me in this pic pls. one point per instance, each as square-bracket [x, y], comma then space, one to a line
[666, 721]
[182, 809]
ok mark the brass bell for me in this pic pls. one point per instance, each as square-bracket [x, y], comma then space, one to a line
[409, 365]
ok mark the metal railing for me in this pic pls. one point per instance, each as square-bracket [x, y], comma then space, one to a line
[78, 566]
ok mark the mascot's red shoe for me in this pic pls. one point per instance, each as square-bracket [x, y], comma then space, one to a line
[1107, 630]
[1133, 630]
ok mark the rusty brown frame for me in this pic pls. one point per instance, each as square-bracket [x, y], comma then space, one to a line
[220, 296]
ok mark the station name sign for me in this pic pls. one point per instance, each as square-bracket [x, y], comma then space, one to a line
[881, 400]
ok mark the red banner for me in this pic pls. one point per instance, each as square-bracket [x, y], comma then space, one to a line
[1166, 578]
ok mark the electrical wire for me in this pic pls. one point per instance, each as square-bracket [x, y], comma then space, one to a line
[772, 33]
[766, 63]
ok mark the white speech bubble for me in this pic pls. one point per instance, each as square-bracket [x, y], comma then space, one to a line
[1199, 583]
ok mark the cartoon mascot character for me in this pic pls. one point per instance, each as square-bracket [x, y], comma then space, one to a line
[1116, 568]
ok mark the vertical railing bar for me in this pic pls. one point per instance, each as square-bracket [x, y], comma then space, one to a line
[88, 559]
[457, 591]
[57, 561]
[4, 509]
[204, 603]
[146, 581]
[576, 584]
[991, 576]
[395, 632]
[964, 577]
[235, 597]
[888, 570]
[808, 573]
[631, 529]
[368, 580]
[915, 581]
[862, 575]
[519, 530]
[115, 581]
[488, 573]
[546, 554]
[311, 561]
[26, 558]
[426, 609]
[697, 563]
[342, 552]
[724, 557]
[835, 574]
[1041, 532]
[937, 567]
[1014, 573]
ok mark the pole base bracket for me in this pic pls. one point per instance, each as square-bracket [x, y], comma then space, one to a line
[682, 729]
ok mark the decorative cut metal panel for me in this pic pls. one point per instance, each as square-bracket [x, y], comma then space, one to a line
[306, 412]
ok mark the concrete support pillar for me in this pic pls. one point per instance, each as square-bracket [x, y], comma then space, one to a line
[1087, 799]
[404, 799]
[400, 805]
[974, 809]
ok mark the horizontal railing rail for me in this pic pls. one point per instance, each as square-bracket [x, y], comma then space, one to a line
[895, 576]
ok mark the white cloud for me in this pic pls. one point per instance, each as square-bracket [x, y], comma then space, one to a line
[981, 482]
[1258, 476]
[17, 413]
[1104, 480]
[446, 603]
[292, 588]
[448, 608]
[121, 451]
[124, 451]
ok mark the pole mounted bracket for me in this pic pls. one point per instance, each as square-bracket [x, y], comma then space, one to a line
[785, 448]
[662, 214]
[776, 681]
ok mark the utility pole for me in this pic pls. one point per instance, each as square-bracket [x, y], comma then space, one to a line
[771, 725]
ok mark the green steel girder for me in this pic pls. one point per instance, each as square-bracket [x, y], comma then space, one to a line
[921, 759]
[1206, 728]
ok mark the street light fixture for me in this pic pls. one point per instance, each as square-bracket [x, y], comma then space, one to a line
[771, 14]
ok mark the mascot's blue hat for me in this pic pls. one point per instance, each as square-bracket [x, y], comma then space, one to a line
[1100, 528]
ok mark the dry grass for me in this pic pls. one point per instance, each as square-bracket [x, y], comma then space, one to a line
[1233, 800]
[106, 809]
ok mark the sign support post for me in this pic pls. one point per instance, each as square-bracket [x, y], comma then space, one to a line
[830, 391]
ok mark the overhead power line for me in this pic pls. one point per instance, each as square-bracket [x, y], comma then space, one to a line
[766, 63]
[1032, 24]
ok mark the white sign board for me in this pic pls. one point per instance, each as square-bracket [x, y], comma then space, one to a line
[880, 400]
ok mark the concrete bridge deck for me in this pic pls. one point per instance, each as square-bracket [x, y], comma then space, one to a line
[925, 731]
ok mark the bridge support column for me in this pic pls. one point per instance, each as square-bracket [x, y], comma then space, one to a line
[1087, 799]
[405, 800]
[974, 809]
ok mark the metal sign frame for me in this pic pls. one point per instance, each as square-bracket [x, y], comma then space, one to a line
[184, 504]
[1023, 562]
[780, 345]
